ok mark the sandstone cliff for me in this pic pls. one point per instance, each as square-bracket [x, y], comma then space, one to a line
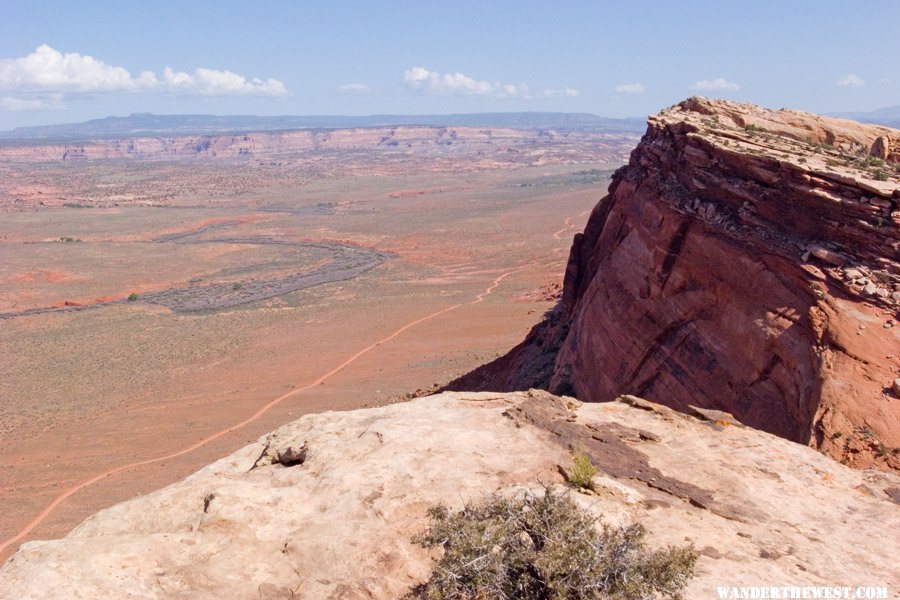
[747, 260]
[496, 144]
[325, 507]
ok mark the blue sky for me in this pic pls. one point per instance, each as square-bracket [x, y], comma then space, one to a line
[71, 61]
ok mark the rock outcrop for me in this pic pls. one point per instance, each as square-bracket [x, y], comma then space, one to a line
[746, 260]
[325, 507]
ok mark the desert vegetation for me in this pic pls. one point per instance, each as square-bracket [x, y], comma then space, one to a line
[581, 474]
[544, 546]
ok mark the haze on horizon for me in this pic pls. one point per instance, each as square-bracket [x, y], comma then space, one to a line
[63, 62]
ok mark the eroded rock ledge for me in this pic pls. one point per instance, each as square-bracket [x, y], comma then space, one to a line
[746, 260]
[263, 523]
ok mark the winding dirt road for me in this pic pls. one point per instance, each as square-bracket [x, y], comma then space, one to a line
[568, 224]
[259, 413]
[50, 508]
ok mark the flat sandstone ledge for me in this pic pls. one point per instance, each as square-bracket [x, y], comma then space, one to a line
[325, 506]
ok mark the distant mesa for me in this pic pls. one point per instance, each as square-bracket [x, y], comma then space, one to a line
[527, 138]
[745, 260]
[888, 116]
[148, 124]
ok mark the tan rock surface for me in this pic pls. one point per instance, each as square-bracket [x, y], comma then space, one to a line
[746, 260]
[337, 524]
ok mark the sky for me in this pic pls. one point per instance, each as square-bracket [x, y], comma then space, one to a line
[75, 60]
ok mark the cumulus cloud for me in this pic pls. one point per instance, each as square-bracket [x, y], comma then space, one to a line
[49, 71]
[358, 89]
[850, 80]
[46, 69]
[629, 88]
[716, 85]
[210, 82]
[421, 80]
[563, 93]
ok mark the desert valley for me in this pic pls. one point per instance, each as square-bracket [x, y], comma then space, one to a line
[166, 308]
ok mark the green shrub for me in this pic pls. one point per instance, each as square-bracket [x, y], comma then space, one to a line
[754, 129]
[872, 161]
[581, 475]
[132, 297]
[544, 547]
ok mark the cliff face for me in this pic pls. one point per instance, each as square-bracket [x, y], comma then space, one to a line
[325, 507]
[493, 144]
[746, 260]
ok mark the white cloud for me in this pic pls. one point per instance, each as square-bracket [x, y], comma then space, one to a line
[358, 89]
[210, 82]
[49, 71]
[421, 80]
[564, 93]
[629, 88]
[716, 85]
[29, 104]
[850, 80]
[46, 69]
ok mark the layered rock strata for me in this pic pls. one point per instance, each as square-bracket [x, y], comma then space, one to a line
[506, 145]
[746, 260]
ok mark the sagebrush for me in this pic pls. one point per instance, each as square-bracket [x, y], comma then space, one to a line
[544, 547]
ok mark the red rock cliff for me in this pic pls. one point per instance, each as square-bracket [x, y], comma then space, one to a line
[746, 260]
